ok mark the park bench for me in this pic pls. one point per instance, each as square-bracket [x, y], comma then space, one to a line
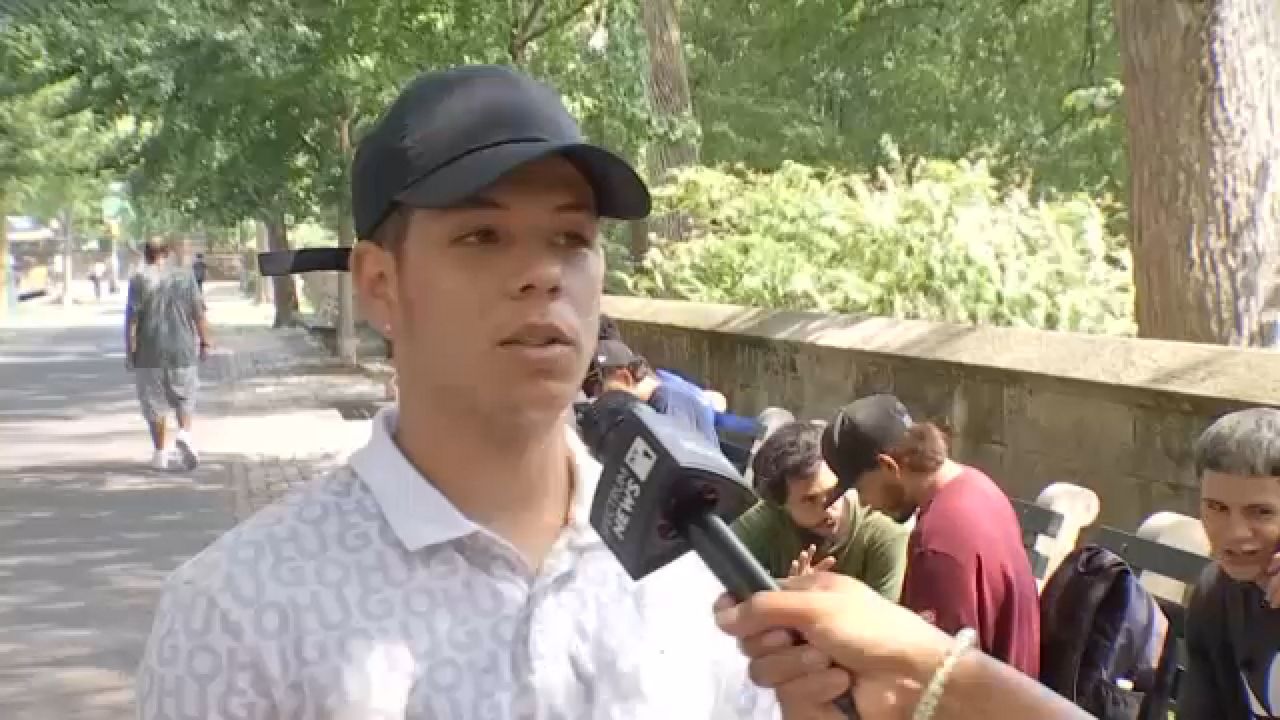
[1035, 521]
[1148, 556]
[1051, 525]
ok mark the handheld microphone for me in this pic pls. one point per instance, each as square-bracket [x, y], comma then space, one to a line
[664, 491]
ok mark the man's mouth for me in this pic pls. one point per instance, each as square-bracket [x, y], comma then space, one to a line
[1242, 556]
[538, 335]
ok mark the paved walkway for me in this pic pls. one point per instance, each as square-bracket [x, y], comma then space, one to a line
[88, 531]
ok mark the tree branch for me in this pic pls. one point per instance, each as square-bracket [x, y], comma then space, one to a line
[519, 33]
[1090, 50]
[28, 86]
[310, 145]
[558, 22]
[536, 7]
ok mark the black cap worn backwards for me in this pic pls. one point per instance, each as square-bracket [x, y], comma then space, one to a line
[613, 354]
[860, 432]
[451, 134]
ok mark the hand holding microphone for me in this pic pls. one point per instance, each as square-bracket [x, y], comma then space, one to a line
[890, 650]
[900, 666]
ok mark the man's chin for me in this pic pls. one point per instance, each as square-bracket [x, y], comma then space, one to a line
[542, 399]
[1241, 572]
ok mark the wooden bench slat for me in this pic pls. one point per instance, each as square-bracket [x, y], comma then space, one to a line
[1151, 556]
[1038, 519]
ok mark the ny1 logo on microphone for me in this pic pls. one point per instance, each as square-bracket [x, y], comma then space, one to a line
[627, 487]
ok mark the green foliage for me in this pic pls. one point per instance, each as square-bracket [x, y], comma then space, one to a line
[225, 109]
[821, 81]
[947, 243]
[51, 151]
[239, 107]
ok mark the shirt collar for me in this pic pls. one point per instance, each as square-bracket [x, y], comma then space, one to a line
[418, 513]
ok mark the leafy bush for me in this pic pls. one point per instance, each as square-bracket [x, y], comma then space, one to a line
[947, 244]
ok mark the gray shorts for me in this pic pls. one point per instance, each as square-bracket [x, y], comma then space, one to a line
[160, 389]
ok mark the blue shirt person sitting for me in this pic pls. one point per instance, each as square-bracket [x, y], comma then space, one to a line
[619, 368]
[724, 421]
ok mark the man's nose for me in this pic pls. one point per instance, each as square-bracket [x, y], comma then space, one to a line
[1235, 529]
[539, 270]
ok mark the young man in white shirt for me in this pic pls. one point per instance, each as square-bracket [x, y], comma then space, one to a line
[449, 571]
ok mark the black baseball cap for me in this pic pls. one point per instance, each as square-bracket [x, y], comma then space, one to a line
[608, 329]
[452, 133]
[860, 432]
[613, 354]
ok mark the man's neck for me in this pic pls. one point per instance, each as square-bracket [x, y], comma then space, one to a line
[646, 387]
[933, 482]
[519, 487]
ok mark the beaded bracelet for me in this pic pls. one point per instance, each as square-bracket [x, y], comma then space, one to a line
[933, 691]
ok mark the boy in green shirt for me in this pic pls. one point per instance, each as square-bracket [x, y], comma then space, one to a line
[802, 523]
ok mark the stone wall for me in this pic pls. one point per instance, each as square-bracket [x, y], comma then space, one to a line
[1117, 415]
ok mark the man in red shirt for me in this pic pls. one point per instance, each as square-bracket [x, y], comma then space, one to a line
[966, 566]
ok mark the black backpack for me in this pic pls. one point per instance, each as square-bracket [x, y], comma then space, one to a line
[1099, 627]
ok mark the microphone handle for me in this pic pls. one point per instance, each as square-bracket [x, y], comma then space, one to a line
[735, 567]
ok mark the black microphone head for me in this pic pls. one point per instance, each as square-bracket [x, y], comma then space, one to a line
[596, 418]
[656, 474]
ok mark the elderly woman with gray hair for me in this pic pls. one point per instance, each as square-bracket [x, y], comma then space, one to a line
[1233, 627]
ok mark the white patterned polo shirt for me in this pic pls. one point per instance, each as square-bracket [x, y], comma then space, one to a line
[366, 595]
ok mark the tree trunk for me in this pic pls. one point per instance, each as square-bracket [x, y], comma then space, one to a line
[68, 263]
[668, 84]
[261, 244]
[284, 289]
[8, 283]
[1202, 98]
[346, 340]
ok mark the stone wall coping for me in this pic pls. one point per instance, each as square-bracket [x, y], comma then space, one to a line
[1247, 376]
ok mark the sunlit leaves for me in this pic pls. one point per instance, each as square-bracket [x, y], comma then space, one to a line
[950, 244]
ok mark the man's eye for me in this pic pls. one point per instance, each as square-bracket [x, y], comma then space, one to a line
[483, 236]
[575, 240]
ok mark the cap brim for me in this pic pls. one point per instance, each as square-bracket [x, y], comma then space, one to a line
[619, 191]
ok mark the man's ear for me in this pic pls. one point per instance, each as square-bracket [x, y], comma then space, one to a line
[375, 285]
[889, 465]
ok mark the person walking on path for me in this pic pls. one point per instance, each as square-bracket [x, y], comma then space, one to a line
[199, 269]
[96, 276]
[166, 336]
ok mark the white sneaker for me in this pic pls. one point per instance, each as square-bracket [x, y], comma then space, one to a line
[187, 450]
[160, 460]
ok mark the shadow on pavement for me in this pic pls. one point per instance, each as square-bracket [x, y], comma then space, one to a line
[84, 549]
[88, 531]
